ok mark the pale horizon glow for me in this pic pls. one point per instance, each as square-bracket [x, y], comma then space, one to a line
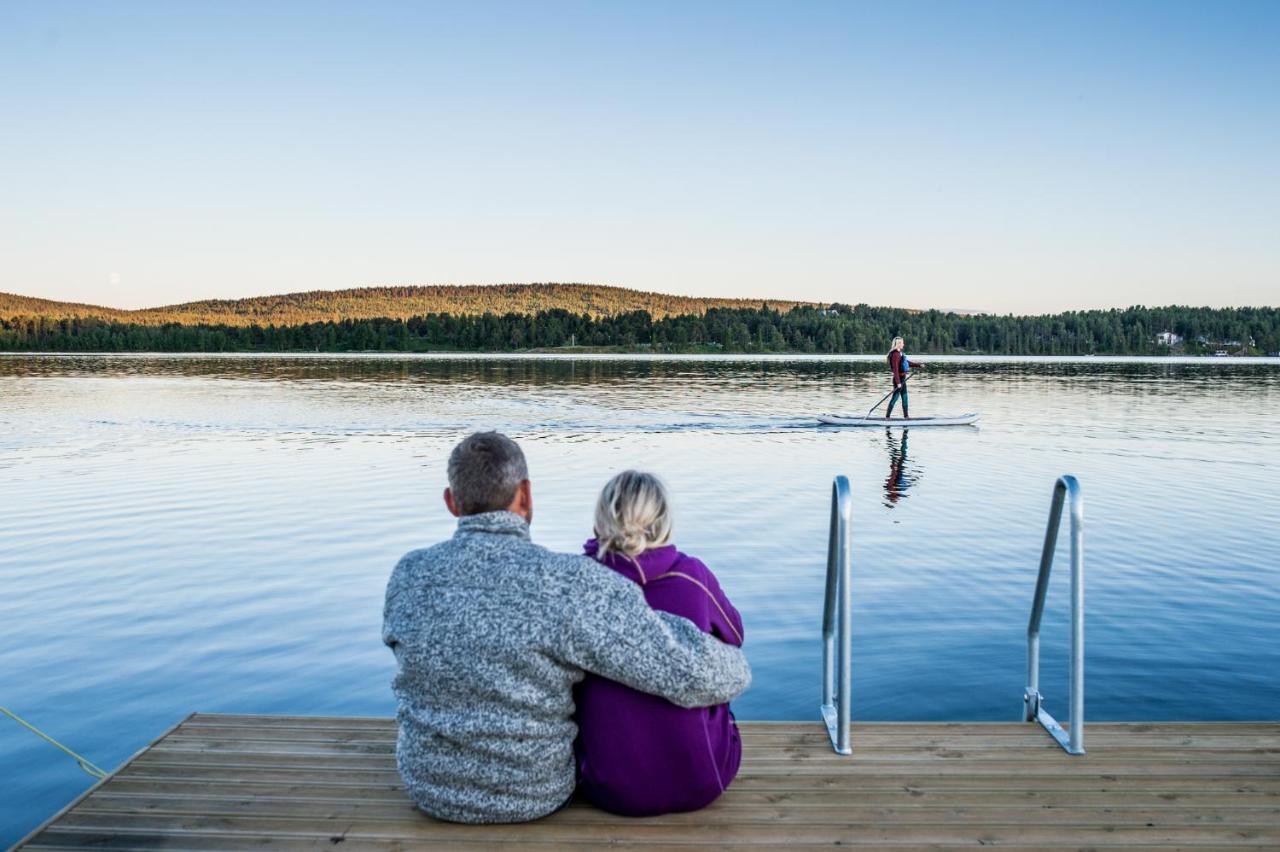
[1002, 157]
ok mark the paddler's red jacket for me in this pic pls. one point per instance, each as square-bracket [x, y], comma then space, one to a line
[895, 364]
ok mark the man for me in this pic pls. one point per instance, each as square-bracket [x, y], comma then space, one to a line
[491, 632]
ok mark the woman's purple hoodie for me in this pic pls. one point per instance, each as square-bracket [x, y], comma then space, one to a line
[639, 754]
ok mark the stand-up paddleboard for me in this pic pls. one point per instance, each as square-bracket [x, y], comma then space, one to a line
[862, 420]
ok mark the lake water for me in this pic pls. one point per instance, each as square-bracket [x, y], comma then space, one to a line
[215, 533]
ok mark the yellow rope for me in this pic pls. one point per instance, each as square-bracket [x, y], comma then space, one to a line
[83, 762]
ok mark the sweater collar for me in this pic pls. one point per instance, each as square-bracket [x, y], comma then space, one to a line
[501, 523]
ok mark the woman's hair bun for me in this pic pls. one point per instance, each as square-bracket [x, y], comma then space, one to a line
[633, 514]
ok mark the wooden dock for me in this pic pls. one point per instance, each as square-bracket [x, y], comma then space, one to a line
[222, 782]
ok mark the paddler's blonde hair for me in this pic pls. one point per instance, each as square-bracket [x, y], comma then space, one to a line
[633, 514]
[894, 344]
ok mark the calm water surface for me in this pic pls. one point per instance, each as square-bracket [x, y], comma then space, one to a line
[214, 534]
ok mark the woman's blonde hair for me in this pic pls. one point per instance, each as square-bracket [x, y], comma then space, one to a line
[894, 344]
[633, 514]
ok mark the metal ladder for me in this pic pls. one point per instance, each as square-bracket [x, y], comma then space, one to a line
[837, 620]
[1066, 488]
[837, 614]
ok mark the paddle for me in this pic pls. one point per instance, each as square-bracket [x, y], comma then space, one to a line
[882, 399]
[886, 396]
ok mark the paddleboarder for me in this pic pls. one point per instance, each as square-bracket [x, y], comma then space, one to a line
[901, 367]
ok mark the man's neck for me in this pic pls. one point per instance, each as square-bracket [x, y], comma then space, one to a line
[501, 522]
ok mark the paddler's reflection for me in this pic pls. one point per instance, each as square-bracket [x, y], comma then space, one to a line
[901, 475]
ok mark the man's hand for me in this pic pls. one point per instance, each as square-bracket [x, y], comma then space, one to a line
[624, 639]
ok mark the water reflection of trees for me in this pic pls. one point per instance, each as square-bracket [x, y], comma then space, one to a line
[814, 374]
[579, 370]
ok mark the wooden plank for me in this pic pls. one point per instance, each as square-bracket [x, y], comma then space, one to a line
[774, 783]
[551, 829]
[1067, 767]
[387, 727]
[947, 729]
[268, 719]
[77, 842]
[815, 729]
[238, 774]
[1035, 738]
[338, 791]
[391, 813]
[1036, 749]
[145, 843]
[1013, 775]
[1031, 736]
[768, 754]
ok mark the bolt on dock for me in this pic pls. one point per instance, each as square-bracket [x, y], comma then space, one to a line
[223, 781]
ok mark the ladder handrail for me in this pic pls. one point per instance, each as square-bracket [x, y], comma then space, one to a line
[1065, 489]
[837, 618]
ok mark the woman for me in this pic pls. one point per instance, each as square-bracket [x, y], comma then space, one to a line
[638, 754]
[901, 368]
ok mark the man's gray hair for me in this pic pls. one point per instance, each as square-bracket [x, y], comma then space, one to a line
[485, 470]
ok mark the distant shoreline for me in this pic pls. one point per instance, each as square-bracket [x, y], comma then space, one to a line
[603, 355]
[578, 318]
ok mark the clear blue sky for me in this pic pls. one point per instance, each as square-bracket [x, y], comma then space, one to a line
[1003, 156]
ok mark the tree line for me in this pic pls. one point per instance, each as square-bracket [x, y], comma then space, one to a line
[835, 329]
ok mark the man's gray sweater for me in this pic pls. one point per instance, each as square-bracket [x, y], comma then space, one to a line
[490, 633]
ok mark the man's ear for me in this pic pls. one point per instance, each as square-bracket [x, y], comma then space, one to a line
[452, 504]
[523, 503]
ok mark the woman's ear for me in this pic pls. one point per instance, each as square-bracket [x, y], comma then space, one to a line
[451, 504]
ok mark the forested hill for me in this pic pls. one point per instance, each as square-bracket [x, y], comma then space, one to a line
[399, 303]
[12, 305]
[833, 329]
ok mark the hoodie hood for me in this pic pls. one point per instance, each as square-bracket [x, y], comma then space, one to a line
[643, 568]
